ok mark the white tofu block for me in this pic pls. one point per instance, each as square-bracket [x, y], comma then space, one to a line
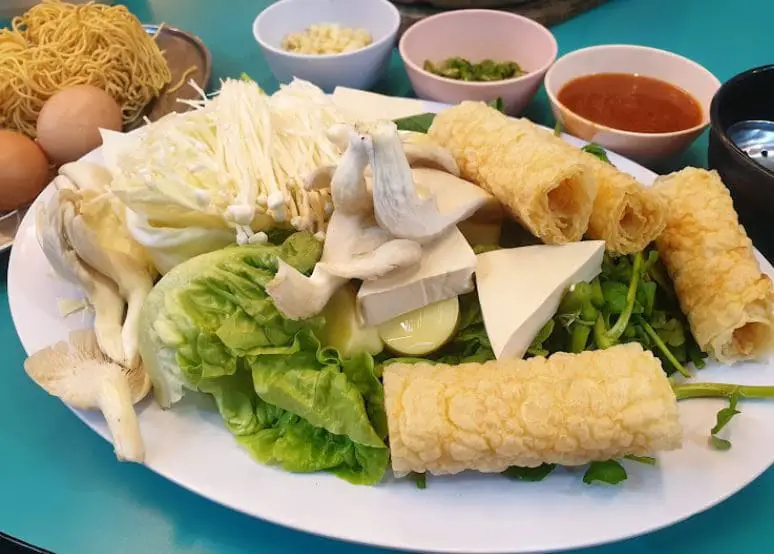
[520, 289]
[445, 270]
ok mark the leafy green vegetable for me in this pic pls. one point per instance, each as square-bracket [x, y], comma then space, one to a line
[641, 459]
[416, 123]
[723, 418]
[596, 150]
[209, 325]
[536, 348]
[461, 69]
[631, 300]
[529, 473]
[684, 391]
[497, 104]
[420, 479]
[610, 472]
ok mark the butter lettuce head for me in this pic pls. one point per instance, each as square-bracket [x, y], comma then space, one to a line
[209, 325]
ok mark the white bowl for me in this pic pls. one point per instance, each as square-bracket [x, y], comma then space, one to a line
[650, 62]
[358, 69]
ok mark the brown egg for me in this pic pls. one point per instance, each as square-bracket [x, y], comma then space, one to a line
[69, 123]
[24, 171]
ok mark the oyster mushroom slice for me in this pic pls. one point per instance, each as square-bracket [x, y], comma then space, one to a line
[348, 186]
[131, 275]
[398, 206]
[354, 249]
[100, 291]
[82, 377]
[422, 151]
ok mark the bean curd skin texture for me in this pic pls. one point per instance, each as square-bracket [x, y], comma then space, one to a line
[550, 193]
[626, 214]
[558, 192]
[569, 409]
[729, 302]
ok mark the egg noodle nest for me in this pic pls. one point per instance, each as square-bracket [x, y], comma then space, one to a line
[56, 45]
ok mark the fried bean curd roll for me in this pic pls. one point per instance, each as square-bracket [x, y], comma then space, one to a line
[569, 409]
[626, 215]
[550, 193]
[718, 281]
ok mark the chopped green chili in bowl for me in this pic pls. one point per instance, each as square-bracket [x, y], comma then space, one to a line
[461, 69]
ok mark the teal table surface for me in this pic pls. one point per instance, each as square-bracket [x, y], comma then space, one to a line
[60, 485]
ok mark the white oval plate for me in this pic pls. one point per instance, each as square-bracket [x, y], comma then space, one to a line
[469, 513]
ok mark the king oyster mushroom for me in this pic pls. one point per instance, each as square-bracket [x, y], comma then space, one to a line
[78, 373]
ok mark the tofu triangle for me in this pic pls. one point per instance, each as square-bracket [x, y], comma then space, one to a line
[520, 289]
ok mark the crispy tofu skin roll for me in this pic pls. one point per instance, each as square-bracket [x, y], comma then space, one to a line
[549, 193]
[569, 409]
[626, 215]
[718, 281]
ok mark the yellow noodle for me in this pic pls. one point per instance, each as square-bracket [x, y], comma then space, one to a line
[56, 45]
[183, 79]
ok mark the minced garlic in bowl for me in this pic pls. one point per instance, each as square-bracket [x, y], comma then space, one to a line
[326, 39]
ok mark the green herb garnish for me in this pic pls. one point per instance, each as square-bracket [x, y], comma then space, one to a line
[647, 460]
[596, 150]
[416, 123]
[497, 104]
[461, 69]
[610, 472]
[529, 473]
[420, 479]
[724, 416]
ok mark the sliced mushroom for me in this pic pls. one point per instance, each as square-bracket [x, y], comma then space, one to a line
[131, 274]
[83, 229]
[101, 292]
[422, 151]
[353, 250]
[346, 180]
[82, 377]
[398, 206]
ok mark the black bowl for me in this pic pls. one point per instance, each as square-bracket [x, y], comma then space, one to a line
[747, 96]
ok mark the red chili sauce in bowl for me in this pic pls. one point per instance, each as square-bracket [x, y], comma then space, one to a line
[630, 102]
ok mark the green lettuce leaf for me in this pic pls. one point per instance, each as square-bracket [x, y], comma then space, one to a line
[209, 325]
[306, 381]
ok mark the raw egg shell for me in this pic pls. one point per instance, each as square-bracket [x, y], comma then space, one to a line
[24, 171]
[69, 123]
